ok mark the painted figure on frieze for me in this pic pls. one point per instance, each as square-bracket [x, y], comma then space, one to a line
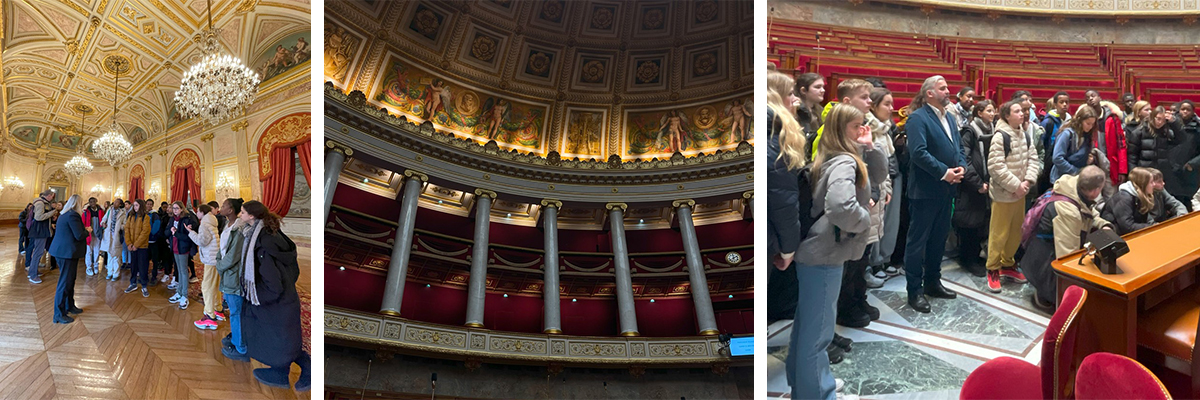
[698, 128]
[436, 96]
[673, 125]
[736, 115]
[496, 116]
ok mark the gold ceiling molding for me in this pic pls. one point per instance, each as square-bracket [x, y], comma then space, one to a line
[1071, 8]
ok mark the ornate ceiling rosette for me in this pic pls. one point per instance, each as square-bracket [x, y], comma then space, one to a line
[519, 73]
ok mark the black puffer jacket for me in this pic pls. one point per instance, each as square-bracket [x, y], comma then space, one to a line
[783, 221]
[971, 206]
[1123, 209]
[1186, 151]
[1150, 148]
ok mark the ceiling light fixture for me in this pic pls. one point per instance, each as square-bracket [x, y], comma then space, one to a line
[79, 164]
[113, 147]
[220, 86]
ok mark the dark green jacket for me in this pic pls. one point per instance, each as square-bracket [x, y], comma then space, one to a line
[229, 261]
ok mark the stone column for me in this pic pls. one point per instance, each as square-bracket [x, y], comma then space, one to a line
[393, 292]
[335, 159]
[166, 179]
[691, 247]
[625, 312]
[551, 322]
[477, 284]
[748, 205]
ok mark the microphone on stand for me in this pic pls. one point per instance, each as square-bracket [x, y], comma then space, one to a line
[433, 383]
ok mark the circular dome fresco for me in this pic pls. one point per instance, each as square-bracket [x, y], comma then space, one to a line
[571, 80]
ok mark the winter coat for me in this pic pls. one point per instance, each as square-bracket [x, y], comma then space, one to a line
[1069, 156]
[158, 225]
[230, 260]
[271, 330]
[1115, 144]
[881, 131]
[137, 231]
[180, 242]
[1186, 151]
[1007, 172]
[815, 141]
[970, 206]
[804, 116]
[783, 218]
[1124, 209]
[1149, 147]
[1065, 224]
[88, 216]
[114, 222]
[69, 237]
[841, 207]
[206, 238]
[42, 211]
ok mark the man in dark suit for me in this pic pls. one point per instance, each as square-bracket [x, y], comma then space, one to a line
[936, 167]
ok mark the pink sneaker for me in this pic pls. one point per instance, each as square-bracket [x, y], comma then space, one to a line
[220, 317]
[1013, 274]
[206, 323]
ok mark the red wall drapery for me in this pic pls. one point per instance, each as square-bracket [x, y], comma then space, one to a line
[279, 187]
[135, 188]
[185, 181]
[277, 171]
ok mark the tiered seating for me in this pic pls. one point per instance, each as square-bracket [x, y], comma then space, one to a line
[997, 68]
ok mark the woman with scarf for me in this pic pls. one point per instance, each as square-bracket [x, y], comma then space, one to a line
[971, 206]
[271, 320]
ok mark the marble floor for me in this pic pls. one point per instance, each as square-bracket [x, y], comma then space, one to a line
[908, 355]
[123, 346]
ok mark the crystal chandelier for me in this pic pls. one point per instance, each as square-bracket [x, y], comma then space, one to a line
[113, 146]
[79, 165]
[220, 86]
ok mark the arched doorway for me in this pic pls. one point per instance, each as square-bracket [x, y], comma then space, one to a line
[284, 140]
[185, 177]
[137, 182]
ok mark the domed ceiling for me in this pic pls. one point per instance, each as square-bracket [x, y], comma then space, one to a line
[59, 58]
[583, 79]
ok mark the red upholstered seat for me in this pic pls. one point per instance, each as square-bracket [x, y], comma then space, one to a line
[1115, 377]
[1010, 378]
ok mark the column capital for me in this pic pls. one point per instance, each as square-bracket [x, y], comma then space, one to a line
[748, 195]
[408, 173]
[552, 203]
[163, 153]
[611, 206]
[207, 137]
[485, 193]
[240, 125]
[148, 158]
[338, 147]
[41, 162]
[683, 202]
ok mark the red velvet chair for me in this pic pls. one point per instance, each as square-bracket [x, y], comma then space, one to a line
[1012, 378]
[1115, 377]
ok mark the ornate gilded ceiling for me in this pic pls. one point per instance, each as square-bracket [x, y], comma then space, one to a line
[580, 79]
[60, 54]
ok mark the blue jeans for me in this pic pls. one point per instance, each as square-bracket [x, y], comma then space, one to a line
[181, 274]
[33, 256]
[812, 331]
[235, 321]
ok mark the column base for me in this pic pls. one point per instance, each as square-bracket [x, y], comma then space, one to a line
[630, 333]
[552, 332]
[709, 332]
[474, 324]
[389, 313]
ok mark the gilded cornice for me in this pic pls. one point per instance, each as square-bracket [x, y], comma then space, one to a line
[1101, 8]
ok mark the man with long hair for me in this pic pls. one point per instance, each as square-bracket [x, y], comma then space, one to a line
[937, 169]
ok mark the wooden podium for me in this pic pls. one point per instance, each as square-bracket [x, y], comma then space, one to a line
[1161, 262]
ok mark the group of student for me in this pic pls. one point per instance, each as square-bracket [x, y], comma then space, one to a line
[856, 197]
[249, 267]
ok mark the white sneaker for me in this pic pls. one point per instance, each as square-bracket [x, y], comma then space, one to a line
[165, 279]
[847, 396]
[841, 384]
[174, 299]
[194, 280]
[184, 303]
[88, 271]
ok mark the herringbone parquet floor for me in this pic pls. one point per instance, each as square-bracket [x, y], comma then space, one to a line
[123, 346]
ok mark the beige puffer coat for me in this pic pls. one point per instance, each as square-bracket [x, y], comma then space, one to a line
[1007, 172]
[207, 239]
[880, 131]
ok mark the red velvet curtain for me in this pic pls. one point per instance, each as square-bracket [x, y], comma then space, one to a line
[193, 185]
[302, 150]
[135, 188]
[279, 187]
[184, 182]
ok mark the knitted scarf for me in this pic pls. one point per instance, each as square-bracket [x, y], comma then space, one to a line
[251, 231]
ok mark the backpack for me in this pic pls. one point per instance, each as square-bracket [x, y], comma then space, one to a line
[1008, 142]
[1034, 216]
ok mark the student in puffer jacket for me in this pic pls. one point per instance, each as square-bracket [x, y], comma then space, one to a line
[971, 205]
[1013, 171]
[231, 269]
[208, 242]
[841, 201]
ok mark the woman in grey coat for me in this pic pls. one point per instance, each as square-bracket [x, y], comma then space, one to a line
[841, 197]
